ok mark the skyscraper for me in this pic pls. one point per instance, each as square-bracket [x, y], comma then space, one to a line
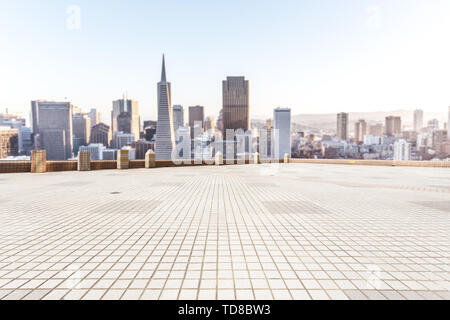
[125, 117]
[342, 126]
[165, 134]
[52, 128]
[101, 133]
[196, 115]
[236, 104]
[178, 117]
[282, 132]
[95, 117]
[360, 130]
[418, 120]
[81, 128]
[393, 125]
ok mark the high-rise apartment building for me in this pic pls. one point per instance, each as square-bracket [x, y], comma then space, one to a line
[418, 120]
[178, 117]
[236, 104]
[9, 142]
[165, 134]
[360, 130]
[281, 132]
[196, 117]
[342, 126]
[101, 133]
[402, 150]
[125, 117]
[52, 128]
[393, 125]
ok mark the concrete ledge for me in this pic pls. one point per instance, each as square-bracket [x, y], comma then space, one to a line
[385, 163]
[55, 166]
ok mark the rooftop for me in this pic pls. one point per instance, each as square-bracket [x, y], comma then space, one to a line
[283, 231]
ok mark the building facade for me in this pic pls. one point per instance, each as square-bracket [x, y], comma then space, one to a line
[393, 125]
[165, 134]
[342, 126]
[101, 133]
[81, 129]
[418, 120]
[125, 117]
[52, 128]
[402, 150]
[360, 130]
[282, 132]
[196, 117]
[178, 117]
[9, 142]
[236, 104]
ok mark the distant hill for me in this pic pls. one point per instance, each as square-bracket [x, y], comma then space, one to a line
[328, 121]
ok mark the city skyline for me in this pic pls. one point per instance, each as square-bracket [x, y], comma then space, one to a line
[363, 53]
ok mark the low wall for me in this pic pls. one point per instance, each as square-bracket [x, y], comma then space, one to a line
[386, 163]
[55, 166]
[15, 166]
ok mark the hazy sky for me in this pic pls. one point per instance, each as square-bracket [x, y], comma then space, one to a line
[315, 56]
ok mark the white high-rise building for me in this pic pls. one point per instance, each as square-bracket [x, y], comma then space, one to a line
[418, 120]
[402, 150]
[165, 134]
[281, 132]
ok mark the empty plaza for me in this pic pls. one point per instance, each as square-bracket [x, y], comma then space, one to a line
[268, 231]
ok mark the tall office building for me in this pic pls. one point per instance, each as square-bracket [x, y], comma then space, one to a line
[393, 125]
[196, 115]
[342, 126]
[52, 128]
[282, 132]
[95, 117]
[178, 117]
[236, 104]
[165, 134]
[101, 133]
[9, 142]
[125, 117]
[360, 130]
[81, 128]
[418, 120]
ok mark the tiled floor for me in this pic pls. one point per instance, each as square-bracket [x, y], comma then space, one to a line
[294, 231]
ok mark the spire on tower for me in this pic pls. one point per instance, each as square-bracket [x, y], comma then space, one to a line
[163, 72]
